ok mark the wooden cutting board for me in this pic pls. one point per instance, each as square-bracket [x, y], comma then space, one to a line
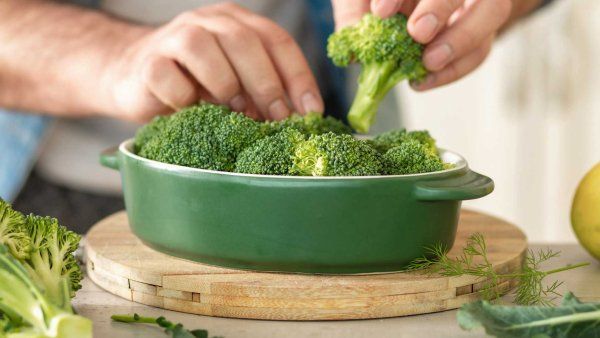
[120, 263]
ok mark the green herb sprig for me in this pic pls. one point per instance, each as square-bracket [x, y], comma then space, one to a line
[172, 329]
[474, 261]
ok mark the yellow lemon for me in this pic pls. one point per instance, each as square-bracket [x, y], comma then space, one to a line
[585, 212]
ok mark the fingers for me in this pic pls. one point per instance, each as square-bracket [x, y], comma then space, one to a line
[212, 70]
[429, 17]
[458, 68]
[478, 22]
[228, 55]
[349, 12]
[289, 62]
[255, 69]
[168, 84]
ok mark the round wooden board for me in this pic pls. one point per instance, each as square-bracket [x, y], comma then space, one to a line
[120, 263]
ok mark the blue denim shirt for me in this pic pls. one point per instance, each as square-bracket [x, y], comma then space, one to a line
[20, 138]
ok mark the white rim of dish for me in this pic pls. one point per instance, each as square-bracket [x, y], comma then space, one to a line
[447, 156]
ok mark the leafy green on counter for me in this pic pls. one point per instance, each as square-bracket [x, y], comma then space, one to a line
[172, 329]
[38, 277]
[474, 261]
[571, 319]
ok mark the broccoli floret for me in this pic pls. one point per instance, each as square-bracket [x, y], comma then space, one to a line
[310, 124]
[13, 233]
[148, 131]
[51, 260]
[383, 142]
[38, 277]
[335, 155]
[272, 155]
[411, 157]
[205, 136]
[387, 54]
[46, 250]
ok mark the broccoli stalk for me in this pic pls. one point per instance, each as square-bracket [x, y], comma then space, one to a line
[374, 82]
[387, 54]
[28, 312]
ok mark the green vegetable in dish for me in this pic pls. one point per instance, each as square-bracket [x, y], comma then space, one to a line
[148, 131]
[387, 54]
[209, 136]
[411, 157]
[335, 155]
[571, 319]
[474, 261]
[272, 155]
[309, 124]
[204, 136]
[385, 141]
[38, 277]
[172, 329]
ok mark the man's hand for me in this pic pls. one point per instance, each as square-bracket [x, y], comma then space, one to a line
[69, 61]
[458, 33]
[221, 53]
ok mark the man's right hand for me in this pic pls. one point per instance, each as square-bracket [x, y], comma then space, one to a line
[221, 53]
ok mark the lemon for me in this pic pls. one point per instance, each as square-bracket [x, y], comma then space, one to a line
[585, 212]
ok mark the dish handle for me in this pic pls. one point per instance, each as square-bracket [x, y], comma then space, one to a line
[472, 185]
[109, 158]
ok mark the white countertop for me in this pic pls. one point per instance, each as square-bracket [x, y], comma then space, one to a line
[99, 305]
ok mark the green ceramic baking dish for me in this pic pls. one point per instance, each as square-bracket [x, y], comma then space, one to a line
[330, 225]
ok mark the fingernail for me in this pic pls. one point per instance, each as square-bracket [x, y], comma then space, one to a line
[424, 84]
[438, 57]
[278, 110]
[425, 27]
[238, 103]
[311, 104]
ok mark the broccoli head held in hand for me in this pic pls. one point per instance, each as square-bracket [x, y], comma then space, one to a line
[387, 54]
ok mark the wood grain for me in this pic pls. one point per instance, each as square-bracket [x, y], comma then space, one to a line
[121, 264]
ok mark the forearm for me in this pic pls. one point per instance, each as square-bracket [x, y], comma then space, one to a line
[52, 56]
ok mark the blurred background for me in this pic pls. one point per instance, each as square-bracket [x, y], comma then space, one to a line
[529, 117]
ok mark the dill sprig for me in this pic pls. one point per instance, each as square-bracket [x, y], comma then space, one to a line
[474, 261]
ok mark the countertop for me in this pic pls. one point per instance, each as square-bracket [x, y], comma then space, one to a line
[99, 305]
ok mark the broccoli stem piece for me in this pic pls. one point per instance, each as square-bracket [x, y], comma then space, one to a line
[172, 329]
[374, 82]
[135, 318]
